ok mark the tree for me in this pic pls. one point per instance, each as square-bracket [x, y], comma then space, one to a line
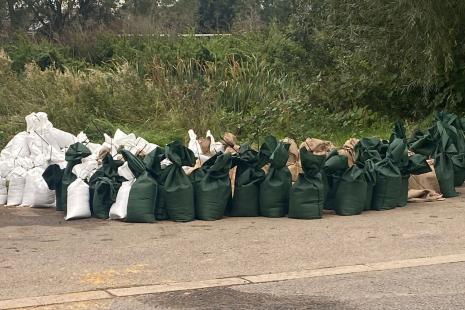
[216, 15]
[399, 50]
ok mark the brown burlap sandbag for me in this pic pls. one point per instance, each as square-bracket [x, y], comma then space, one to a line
[317, 146]
[230, 143]
[232, 177]
[293, 162]
[348, 150]
[425, 181]
[423, 195]
[230, 146]
[205, 145]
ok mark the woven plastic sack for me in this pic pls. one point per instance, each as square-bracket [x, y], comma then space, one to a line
[307, 194]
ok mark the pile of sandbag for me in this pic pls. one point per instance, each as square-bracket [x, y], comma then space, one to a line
[444, 143]
[24, 159]
[130, 179]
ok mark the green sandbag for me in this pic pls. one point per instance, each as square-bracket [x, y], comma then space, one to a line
[370, 178]
[179, 193]
[399, 157]
[399, 132]
[275, 188]
[199, 174]
[454, 130]
[416, 165]
[425, 145]
[104, 196]
[249, 175]
[74, 155]
[307, 194]
[388, 184]
[443, 163]
[142, 200]
[383, 148]
[403, 195]
[417, 134]
[143, 194]
[109, 169]
[387, 188]
[351, 192]
[334, 168]
[152, 163]
[53, 176]
[367, 148]
[444, 169]
[459, 169]
[213, 192]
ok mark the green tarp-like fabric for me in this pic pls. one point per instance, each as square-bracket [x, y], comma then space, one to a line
[351, 192]
[367, 148]
[179, 192]
[142, 200]
[213, 191]
[108, 179]
[370, 175]
[275, 188]
[400, 158]
[334, 168]
[75, 153]
[152, 163]
[459, 169]
[104, 196]
[445, 142]
[367, 155]
[249, 175]
[388, 184]
[143, 194]
[53, 176]
[307, 194]
[416, 165]
[443, 163]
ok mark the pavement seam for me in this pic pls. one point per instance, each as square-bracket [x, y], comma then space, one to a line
[248, 282]
[226, 282]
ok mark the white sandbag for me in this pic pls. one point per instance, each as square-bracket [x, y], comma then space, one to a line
[30, 122]
[93, 147]
[24, 162]
[43, 154]
[125, 172]
[194, 145]
[215, 147]
[42, 121]
[204, 158]
[3, 191]
[142, 146]
[85, 169]
[17, 147]
[121, 138]
[6, 166]
[119, 209]
[109, 143]
[16, 182]
[36, 192]
[62, 138]
[40, 127]
[78, 205]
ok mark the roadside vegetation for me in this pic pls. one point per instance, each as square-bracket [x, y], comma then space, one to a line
[332, 70]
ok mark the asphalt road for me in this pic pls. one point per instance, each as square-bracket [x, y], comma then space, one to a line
[41, 254]
[422, 288]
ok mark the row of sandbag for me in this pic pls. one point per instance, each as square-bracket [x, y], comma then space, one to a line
[444, 142]
[376, 181]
